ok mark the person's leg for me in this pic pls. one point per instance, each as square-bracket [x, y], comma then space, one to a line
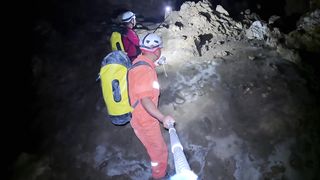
[151, 138]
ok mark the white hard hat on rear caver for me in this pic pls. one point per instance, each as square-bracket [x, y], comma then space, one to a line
[128, 16]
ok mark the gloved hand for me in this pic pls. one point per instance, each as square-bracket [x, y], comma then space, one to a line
[167, 120]
[162, 60]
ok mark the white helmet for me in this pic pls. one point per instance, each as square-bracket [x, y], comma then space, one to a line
[150, 42]
[128, 16]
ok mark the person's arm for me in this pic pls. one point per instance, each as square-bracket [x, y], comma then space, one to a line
[133, 37]
[151, 108]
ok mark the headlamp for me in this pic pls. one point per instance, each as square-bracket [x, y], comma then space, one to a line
[168, 9]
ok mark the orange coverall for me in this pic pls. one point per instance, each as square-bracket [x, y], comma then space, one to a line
[143, 82]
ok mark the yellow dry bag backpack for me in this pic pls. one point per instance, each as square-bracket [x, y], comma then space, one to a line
[116, 38]
[113, 76]
[116, 41]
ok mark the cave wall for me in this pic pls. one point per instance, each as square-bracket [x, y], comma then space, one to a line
[148, 8]
[314, 4]
[67, 15]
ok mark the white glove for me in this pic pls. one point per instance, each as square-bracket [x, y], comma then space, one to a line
[162, 60]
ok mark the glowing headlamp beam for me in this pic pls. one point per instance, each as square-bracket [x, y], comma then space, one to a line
[168, 8]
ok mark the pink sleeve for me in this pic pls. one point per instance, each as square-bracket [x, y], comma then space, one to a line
[133, 37]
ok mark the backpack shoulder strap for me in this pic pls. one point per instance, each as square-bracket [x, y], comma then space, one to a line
[139, 63]
[135, 104]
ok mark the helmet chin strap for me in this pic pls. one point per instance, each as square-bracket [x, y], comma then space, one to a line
[131, 25]
[132, 22]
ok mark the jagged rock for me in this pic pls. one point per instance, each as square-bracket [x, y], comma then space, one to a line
[274, 37]
[257, 30]
[307, 35]
[221, 10]
[273, 19]
[251, 17]
[201, 17]
[197, 23]
[239, 25]
[310, 21]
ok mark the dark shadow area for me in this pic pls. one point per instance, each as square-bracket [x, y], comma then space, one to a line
[38, 22]
[287, 24]
[265, 9]
[118, 12]
[311, 66]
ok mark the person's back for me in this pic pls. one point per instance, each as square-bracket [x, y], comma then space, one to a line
[146, 117]
[130, 39]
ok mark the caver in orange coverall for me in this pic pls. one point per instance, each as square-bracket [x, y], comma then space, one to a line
[143, 82]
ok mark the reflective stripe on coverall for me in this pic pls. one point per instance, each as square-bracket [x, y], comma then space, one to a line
[143, 82]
